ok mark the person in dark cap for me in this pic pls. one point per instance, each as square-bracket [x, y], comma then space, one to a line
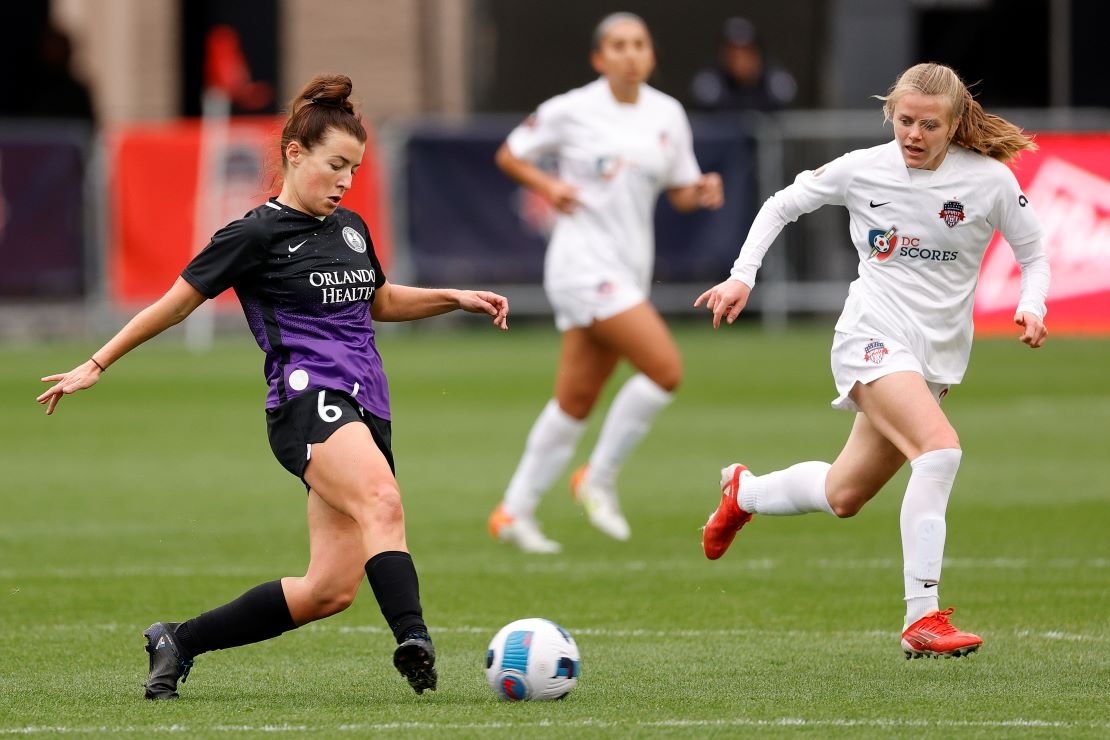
[743, 78]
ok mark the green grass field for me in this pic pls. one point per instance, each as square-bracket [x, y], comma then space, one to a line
[155, 497]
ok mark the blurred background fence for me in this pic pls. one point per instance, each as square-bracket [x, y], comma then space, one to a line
[101, 166]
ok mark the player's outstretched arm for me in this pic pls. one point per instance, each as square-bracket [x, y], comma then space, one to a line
[406, 303]
[172, 308]
[726, 300]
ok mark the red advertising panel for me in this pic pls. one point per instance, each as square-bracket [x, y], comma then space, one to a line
[154, 198]
[1068, 181]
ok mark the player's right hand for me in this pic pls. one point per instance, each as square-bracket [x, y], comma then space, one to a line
[563, 196]
[726, 300]
[79, 378]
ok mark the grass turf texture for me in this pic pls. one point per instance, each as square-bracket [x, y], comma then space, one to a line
[155, 497]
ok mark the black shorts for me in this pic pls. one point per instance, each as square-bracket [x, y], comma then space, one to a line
[311, 418]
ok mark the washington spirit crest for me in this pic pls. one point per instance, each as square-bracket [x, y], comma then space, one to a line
[952, 213]
[875, 352]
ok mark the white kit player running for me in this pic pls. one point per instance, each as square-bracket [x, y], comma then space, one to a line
[922, 210]
[619, 143]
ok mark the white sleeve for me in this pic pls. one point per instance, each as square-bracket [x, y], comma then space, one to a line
[811, 190]
[1035, 277]
[539, 133]
[1016, 219]
[684, 169]
[1013, 214]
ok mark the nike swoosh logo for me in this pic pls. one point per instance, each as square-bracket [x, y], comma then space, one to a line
[876, 205]
[930, 585]
[294, 249]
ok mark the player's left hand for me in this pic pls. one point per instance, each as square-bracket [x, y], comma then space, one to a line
[710, 191]
[1035, 333]
[483, 301]
[726, 300]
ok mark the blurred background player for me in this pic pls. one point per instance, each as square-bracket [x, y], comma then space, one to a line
[307, 275]
[923, 209]
[58, 93]
[619, 143]
[743, 78]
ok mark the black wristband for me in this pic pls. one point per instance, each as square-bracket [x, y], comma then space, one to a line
[93, 361]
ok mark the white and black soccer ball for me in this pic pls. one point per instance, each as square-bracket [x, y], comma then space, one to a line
[532, 660]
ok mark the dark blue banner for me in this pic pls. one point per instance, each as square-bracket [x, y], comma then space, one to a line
[468, 223]
[42, 235]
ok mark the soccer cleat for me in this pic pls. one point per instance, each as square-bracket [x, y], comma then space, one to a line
[601, 505]
[415, 659]
[521, 531]
[721, 528]
[933, 636]
[166, 664]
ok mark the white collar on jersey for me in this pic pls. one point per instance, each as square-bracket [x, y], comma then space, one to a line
[601, 85]
[278, 206]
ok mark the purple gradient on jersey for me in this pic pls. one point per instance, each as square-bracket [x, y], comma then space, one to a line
[335, 349]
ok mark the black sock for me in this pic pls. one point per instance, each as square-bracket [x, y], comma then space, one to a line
[393, 578]
[257, 615]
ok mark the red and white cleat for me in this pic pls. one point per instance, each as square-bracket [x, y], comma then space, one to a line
[933, 636]
[719, 532]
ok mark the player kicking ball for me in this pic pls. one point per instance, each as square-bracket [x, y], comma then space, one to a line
[312, 288]
[923, 209]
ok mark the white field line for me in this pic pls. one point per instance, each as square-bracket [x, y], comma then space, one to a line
[567, 566]
[363, 727]
[695, 634]
[646, 634]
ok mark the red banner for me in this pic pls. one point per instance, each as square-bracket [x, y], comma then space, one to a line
[153, 197]
[1068, 181]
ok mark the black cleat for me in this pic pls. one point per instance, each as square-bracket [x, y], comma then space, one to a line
[415, 658]
[166, 665]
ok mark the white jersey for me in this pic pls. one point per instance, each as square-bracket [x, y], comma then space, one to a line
[921, 236]
[619, 156]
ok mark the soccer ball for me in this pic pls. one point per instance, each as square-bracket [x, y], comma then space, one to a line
[532, 660]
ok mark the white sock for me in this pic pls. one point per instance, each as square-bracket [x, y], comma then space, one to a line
[923, 528]
[550, 445]
[629, 419]
[799, 489]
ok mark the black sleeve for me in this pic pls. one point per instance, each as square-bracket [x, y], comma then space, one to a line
[234, 251]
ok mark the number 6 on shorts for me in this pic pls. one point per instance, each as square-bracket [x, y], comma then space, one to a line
[328, 413]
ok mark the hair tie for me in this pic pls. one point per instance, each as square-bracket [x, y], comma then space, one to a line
[329, 102]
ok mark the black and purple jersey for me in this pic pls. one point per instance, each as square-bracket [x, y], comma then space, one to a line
[306, 286]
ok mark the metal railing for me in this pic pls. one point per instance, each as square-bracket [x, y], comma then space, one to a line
[806, 271]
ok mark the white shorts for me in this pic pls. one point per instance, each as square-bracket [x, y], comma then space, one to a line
[582, 305]
[858, 358]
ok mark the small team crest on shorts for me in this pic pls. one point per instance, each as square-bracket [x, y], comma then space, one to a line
[354, 239]
[606, 287]
[952, 213]
[875, 352]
